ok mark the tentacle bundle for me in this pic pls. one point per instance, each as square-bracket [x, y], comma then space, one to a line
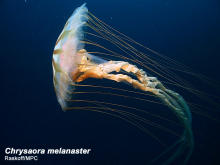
[148, 84]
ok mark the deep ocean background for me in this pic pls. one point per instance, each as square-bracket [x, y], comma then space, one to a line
[187, 31]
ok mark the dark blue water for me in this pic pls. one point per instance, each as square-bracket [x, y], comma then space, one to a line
[187, 31]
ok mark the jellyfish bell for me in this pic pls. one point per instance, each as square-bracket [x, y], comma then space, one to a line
[66, 54]
[72, 64]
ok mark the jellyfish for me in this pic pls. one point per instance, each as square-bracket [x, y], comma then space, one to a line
[73, 64]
